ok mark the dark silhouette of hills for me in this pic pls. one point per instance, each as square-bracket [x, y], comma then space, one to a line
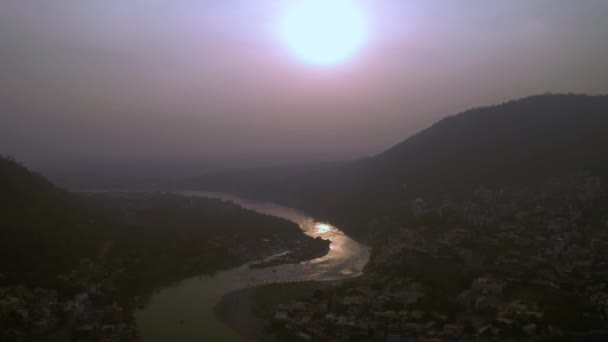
[517, 142]
[46, 231]
[123, 244]
[20, 185]
[40, 233]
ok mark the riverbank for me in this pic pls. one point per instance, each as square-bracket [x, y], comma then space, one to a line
[247, 311]
[234, 309]
[213, 308]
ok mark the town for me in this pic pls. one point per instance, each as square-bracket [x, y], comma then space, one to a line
[508, 263]
[92, 313]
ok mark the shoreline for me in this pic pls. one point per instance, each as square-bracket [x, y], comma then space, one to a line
[236, 309]
[220, 307]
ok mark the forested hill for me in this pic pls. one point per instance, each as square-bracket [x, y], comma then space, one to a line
[40, 232]
[19, 185]
[46, 231]
[108, 248]
[518, 142]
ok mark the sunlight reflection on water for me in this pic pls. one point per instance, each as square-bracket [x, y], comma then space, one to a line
[191, 302]
[322, 228]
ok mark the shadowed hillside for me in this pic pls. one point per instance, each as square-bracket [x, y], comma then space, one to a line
[113, 247]
[517, 142]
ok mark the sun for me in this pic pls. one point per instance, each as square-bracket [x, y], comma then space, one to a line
[324, 32]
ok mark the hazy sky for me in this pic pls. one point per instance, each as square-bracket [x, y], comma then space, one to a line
[171, 79]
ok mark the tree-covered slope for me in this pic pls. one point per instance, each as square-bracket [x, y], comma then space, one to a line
[517, 142]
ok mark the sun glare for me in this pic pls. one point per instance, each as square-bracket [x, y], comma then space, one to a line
[322, 228]
[324, 32]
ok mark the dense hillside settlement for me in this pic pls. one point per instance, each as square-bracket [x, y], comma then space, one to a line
[510, 263]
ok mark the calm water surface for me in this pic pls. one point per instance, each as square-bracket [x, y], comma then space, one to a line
[184, 312]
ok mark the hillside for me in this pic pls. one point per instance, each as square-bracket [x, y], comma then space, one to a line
[59, 246]
[46, 231]
[520, 140]
[517, 142]
[19, 185]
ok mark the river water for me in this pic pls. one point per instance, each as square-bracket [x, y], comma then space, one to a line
[185, 312]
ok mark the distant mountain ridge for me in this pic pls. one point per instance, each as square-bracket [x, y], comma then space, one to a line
[524, 138]
[520, 141]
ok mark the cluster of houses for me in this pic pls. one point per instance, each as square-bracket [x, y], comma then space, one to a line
[38, 314]
[549, 239]
[20, 307]
[364, 316]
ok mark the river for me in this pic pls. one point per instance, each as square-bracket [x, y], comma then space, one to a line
[185, 312]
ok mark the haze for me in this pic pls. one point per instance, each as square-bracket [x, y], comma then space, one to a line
[185, 80]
